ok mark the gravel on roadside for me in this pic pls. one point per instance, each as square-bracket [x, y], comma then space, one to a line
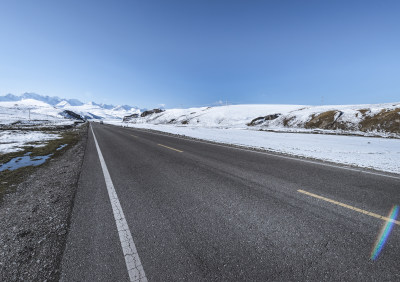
[34, 219]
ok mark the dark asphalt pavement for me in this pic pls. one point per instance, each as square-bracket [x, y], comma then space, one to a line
[201, 212]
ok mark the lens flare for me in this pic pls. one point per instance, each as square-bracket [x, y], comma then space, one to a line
[384, 234]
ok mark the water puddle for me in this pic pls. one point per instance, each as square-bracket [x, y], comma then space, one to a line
[61, 146]
[26, 160]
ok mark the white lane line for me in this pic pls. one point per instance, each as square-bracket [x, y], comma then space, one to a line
[132, 260]
[265, 153]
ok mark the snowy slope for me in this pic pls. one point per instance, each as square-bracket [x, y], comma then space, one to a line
[351, 115]
[224, 116]
[375, 119]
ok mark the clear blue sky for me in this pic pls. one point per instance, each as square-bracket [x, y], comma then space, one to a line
[192, 53]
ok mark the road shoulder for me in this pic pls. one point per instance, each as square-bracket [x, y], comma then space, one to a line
[35, 218]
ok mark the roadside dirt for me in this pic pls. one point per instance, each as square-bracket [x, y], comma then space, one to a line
[34, 217]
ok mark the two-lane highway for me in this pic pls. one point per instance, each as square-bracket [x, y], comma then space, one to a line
[202, 212]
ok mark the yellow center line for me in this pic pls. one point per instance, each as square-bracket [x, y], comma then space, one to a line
[170, 148]
[134, 136]
[350, 207]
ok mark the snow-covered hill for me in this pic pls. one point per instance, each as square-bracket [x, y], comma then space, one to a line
[31, 106]
[373, 119]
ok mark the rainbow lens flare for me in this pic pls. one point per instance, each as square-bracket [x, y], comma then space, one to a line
[384, 234]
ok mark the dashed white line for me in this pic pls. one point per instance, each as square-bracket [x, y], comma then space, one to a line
[132, 260]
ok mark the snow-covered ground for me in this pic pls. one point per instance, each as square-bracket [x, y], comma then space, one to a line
[376, 153]
[16, 140]
[29, 110]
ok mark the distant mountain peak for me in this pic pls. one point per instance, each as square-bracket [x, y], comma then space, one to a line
[63, 104]
[74, 102]
[125, 107]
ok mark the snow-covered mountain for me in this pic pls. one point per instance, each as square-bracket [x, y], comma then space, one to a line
[93, 110]
[45, 107]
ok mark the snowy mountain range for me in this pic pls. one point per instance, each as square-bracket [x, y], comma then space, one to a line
[46, 99]
[42, 107]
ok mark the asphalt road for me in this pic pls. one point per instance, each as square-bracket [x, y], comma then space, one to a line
[202, 212]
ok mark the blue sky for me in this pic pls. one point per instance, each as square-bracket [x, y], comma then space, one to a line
[193, 53]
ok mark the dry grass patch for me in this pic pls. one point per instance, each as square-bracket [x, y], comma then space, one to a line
[286, 121]
[363, 111]
[385, 120]
[324, 120]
